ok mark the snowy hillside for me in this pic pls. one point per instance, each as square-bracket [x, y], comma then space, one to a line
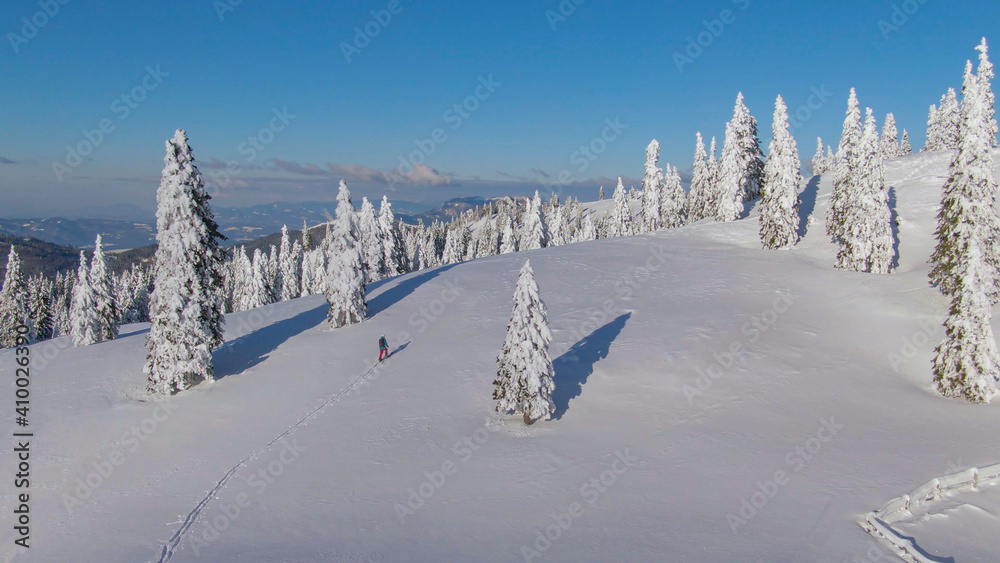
[714, 402]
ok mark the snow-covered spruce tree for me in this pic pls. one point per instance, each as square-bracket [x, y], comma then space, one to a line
[186, 303]
[284, 252]
[40, 307]
[452, 248]
[948, 120]
[524, 382]
[14, 310]
[818, 160]
[984, 74]
[866, 243]
[967, 204]
[620, 221]
[508, 240]
[695, 204]
[241, 270]
[904, 145]
[600, 194]
[84, 325]
[556, 228]
[652, 179]
[741, 167]
[588, 231]
[888, 147]
[371, 241]
[673, 200]
[393, 246]
[273, 273]
[345, 281]
[104, 301]
[933, 140]
[779, 216]
[290, 263]
[262, 293]
[845, 171]
[534, 231]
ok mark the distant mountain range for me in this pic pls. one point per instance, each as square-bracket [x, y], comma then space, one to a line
[239, 224]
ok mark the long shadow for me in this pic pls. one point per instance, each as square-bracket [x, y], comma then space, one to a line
[398, 292]
[807, 204]
[574, 367]
[894, 224]
[251, 349]
[922, 551]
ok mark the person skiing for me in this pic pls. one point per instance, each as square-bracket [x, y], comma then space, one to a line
[383, 348]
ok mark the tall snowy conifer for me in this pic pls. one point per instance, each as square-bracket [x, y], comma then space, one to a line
[652, 179]
[779, 217]
[984, 74]
[888, 146]
[524, 382]
[534, 231]
[14, 310]
[345, 282]
[701, 183]
[393, 246]
[84, 325]
[101, 284]
[620, 221]
[672, 200]
[904, 144]
[186, 303]
[741, 166]
[948, 120]
[371, 241]
[845, 169]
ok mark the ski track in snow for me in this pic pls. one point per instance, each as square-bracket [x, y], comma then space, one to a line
[171, 544]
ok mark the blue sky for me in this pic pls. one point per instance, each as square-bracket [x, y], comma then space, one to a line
[557, 72]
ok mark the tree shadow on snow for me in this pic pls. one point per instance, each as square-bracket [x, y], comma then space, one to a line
[251, 349]
[574, 367]
[807, 204]
[894, 224]
[401, 290]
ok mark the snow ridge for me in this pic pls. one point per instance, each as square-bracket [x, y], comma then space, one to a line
[174, 541]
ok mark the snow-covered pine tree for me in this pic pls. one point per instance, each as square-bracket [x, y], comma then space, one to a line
[904, 145]
[779, 216]
[452, 248]
[371, 241]
[652, 180]
[741, 167]
[290, 264]
[695, 204]
[620, 222]
[984, 74]
[967, 205]
[888, 146]
[393, 246]
[673, 200]
[534, 231]
[948, 120]
[818, 160]
[524, 382]
[933, 140]
[508, 240]
[866, 243]
[557, 228]
[588, 231]
[260, 293]
[283, 253]
[84, 325]
[600, 194]
[845, 171]
[345, 281]
[14, 310]
[186, 304]
[40, 307]
[104, 300]
[272, 269]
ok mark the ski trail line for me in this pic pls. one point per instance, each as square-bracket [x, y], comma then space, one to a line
[189, 520]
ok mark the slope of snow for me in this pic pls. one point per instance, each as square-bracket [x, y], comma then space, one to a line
[715, 402]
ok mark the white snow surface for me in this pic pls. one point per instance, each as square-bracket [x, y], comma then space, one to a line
[343, 445]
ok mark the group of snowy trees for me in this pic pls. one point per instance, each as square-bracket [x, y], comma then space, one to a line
[88, 305]
[966, 260]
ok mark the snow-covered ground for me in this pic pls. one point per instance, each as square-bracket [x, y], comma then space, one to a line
[715, 402]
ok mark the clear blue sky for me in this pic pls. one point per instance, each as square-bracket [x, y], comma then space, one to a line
[556, 88]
